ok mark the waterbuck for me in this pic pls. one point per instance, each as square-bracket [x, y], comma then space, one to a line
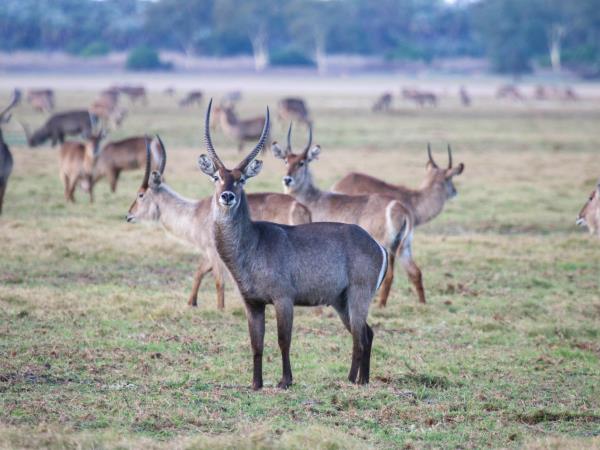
[383, 103]
[76, 163]
[6, 159]
[134, 93]
[383, 216]
[190, 220]
[238, 130]
[41, 100]
[590, 213]
[421, 98]
[192, 97]
[293, 109]
[314, 264]
[117, 156]
[60, 125]
[425, 203]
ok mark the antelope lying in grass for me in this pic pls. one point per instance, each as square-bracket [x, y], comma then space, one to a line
[383, 216]
[315, 264]
[117, 156]
[239, 130]
[425, 203]
[6, 159]
[590, 213]
[190, 220]
[76, 163]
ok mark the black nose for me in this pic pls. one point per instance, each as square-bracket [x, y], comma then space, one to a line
[287, 180]
[227, 197]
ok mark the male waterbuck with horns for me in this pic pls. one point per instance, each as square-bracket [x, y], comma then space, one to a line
[425, 203]
[190, 220]
[590, 213]
[306, 265]
[383, 216]
[6, 159]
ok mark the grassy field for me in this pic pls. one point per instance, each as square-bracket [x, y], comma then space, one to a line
[99, 349]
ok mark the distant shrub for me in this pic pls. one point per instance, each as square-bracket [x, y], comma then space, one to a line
[95, 49]
[290, 57]
[145, 58]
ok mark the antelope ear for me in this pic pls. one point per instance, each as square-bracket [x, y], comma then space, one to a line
[207, 165]
[313, 153]
[253, 168]
[456, 170]
[155, 180]
[278, 152]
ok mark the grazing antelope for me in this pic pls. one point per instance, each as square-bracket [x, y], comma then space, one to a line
[590, 213]
[509, 91]
[383, 216]
[76, 164]
[425, 202]
[236, 129]
[134, 93]
[117, 156]
[6, 159]
[383, 103]
[465, 98]
[60, 125]
[41, 100]
[315, 264]
[190, 220]
[293, 109]
[421, 98]
[193, 97]
[106, 108]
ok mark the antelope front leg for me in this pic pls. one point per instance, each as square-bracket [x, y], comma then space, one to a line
[204, 267]
[284, 311]
[256, 327]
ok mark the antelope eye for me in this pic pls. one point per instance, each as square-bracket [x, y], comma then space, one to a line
[141, 195]
[301, 163]
[215, 178]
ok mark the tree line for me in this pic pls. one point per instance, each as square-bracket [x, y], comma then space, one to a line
[515, 35]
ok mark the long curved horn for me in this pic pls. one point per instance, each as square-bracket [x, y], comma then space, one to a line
[163, 156]
[289, 138]
[449, 157]
[307, 148]
[209, 145]
[259, 146]
[13, 102]
[429, 155]
[148, 161]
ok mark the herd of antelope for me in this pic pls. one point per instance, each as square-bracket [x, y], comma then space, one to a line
[304, 247]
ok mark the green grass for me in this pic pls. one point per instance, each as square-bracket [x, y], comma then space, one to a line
[99, 349]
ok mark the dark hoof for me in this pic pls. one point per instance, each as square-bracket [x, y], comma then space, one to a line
[257, 386]
[284, 384]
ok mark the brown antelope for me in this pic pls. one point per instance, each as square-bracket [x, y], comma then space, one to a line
[425, 202]
[6, 159]
[383, 103]
[589, 216]
[421, 98]
[193, 97]
[190, 220]
[293, 109]
[41, 100]
[509, 91]
[60, 125]
[315, 264]
[76, 163]
[383, 216]
[238, 130]
[117, 156]
[465, 98]
[134, 93]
